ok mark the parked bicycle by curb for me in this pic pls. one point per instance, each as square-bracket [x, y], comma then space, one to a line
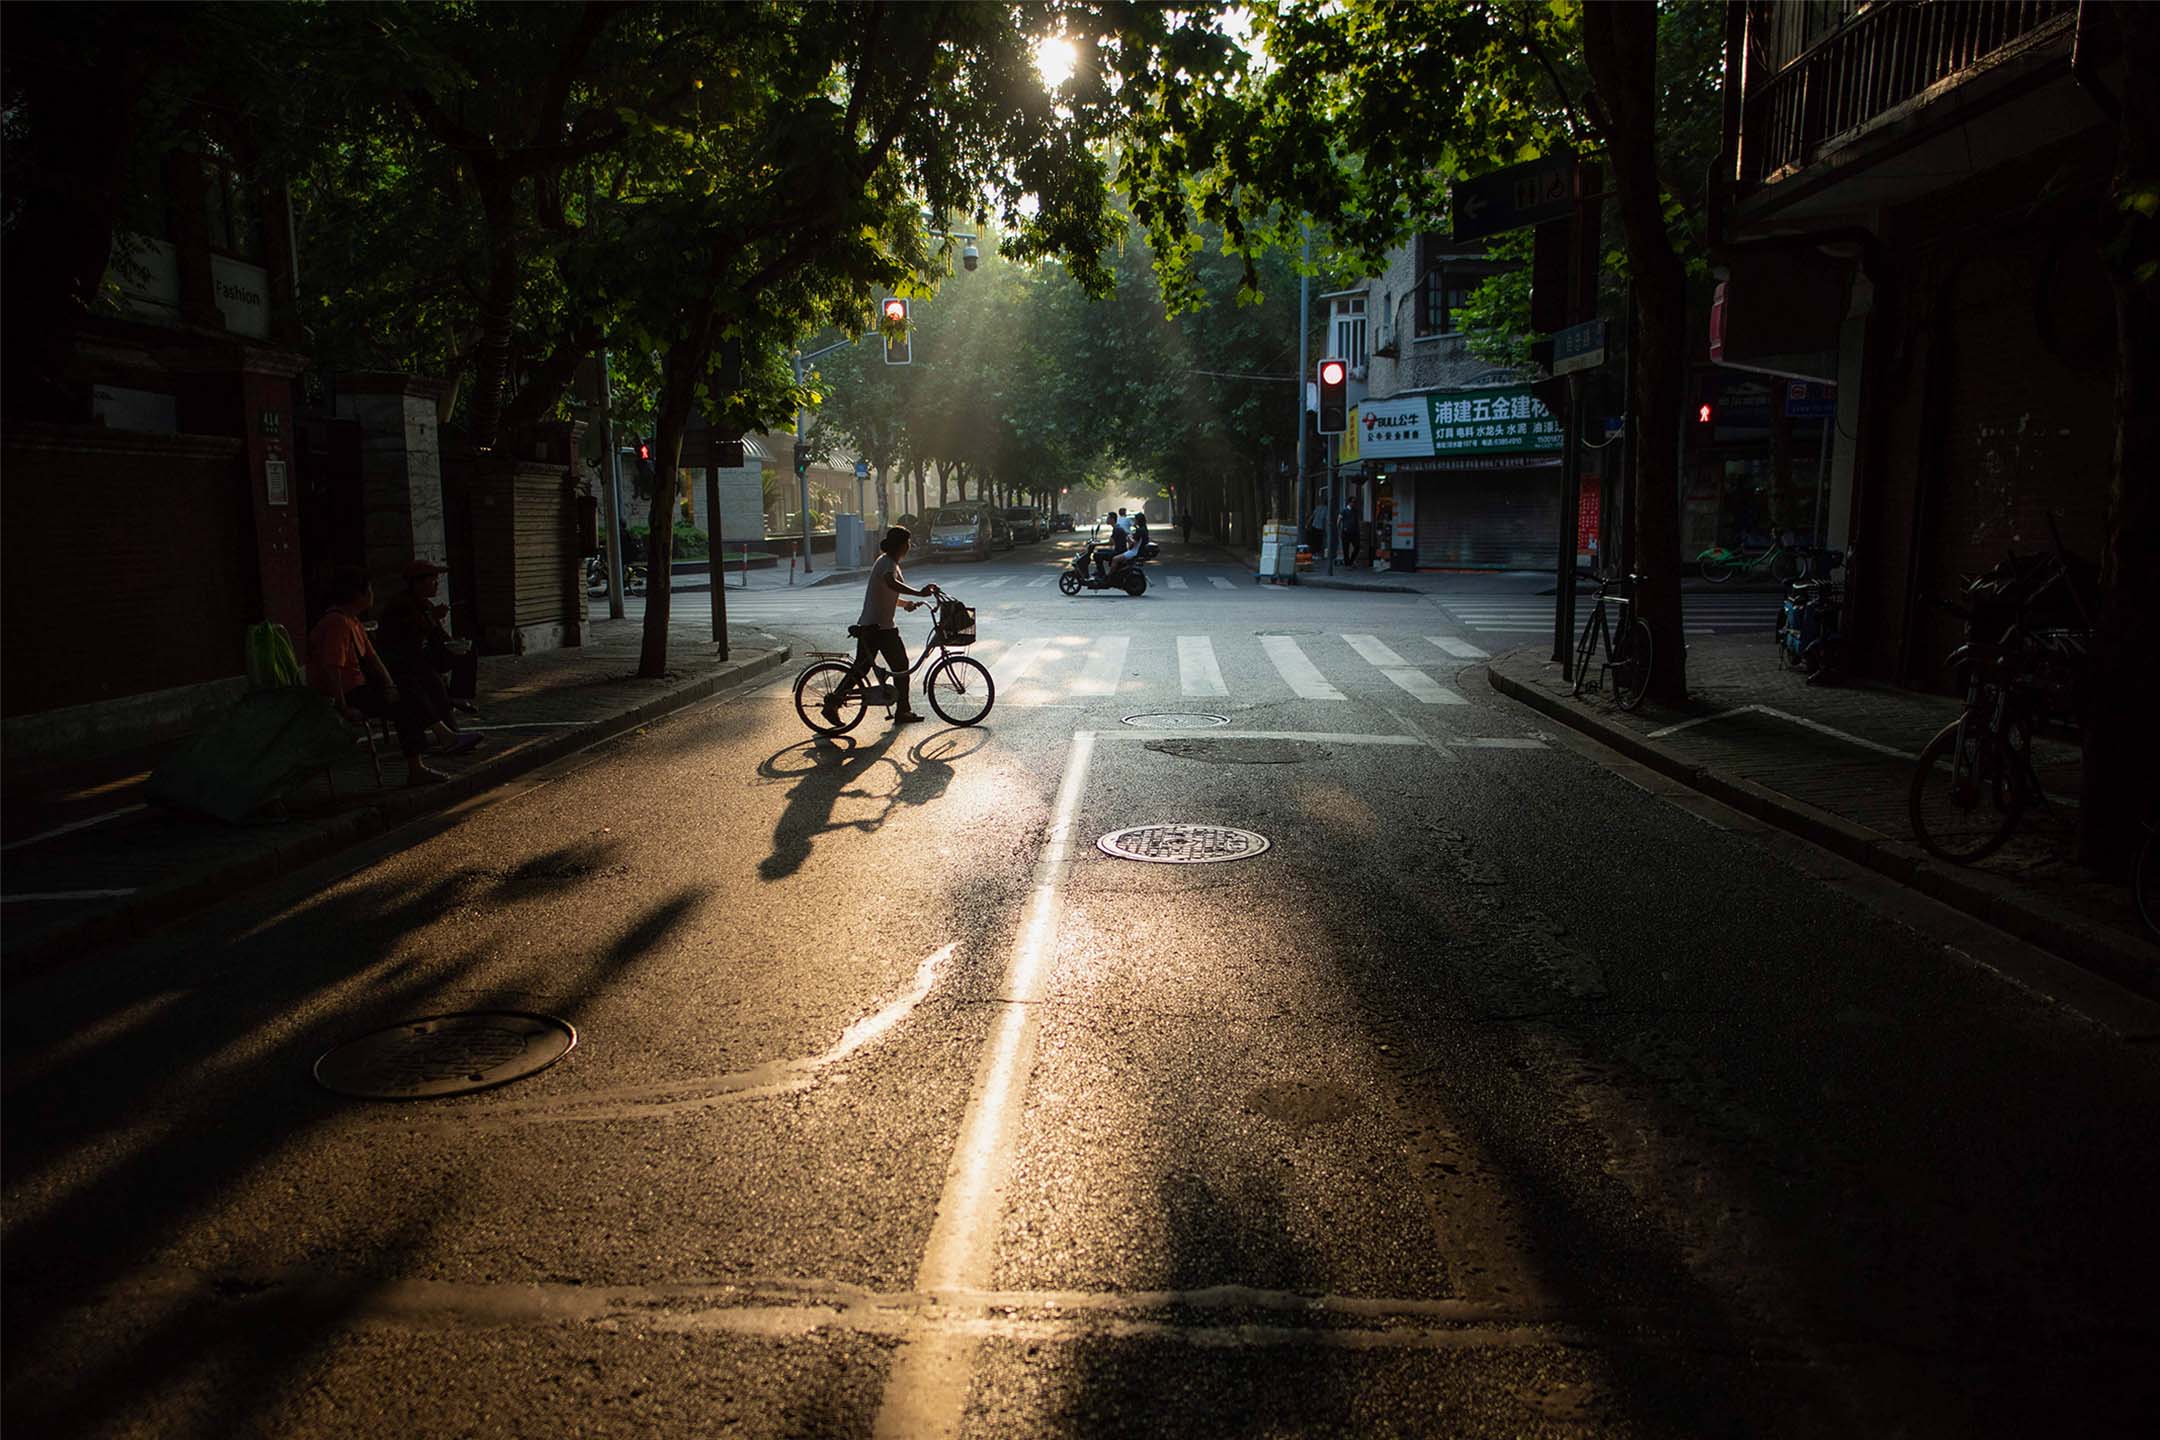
[1625, 638]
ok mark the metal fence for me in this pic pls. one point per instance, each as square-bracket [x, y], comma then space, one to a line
[1819, 69]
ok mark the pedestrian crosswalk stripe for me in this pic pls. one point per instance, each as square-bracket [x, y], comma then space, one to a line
[1198, 674]
[1221, 584]
[1106, 662]
[1013, 665]
[1175, 582]
[1460, 649]
[1422, 687]
[1038, 584]
[1300, 674]
[1370, 647]
[995, 582]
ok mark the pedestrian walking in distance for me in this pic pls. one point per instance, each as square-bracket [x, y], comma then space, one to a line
[1349, 532]
[874, 631]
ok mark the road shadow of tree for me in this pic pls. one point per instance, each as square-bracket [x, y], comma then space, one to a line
[99, 1195]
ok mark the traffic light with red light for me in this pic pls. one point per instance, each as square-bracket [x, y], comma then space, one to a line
[1705, 413]
[1334, 396]
[644, 450]
[893, 322]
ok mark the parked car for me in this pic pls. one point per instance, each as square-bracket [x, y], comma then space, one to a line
[1027, 525]
[1063, 522]
[959, 532]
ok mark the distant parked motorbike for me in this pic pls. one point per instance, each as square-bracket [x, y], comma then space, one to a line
[596, 576]
[1083, 575]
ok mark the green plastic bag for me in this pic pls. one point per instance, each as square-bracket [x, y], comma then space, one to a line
[271, 663]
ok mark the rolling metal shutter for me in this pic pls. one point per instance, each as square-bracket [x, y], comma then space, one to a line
[1488, 519]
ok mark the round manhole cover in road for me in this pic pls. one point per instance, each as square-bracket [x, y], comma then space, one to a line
[437, 1055]
[1177, 720]
[1183, 844]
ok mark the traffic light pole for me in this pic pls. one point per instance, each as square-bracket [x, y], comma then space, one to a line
[1301, 496]
[802, 479]
[1334, 505]
[613, 476]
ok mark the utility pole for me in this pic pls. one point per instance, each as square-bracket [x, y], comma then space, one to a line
[802, 433]
[1304, 373]
[612, 473]
[1334, 510]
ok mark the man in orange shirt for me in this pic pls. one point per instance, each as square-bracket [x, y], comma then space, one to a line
[343, 665]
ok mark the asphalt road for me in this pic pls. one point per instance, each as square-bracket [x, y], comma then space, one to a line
[1502, 1094]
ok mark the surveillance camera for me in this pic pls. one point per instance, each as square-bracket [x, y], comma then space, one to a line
[970, 257]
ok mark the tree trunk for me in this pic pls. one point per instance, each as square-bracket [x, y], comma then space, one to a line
[2120, 778]
[1620, 49]
[497, 307]
[684, 363]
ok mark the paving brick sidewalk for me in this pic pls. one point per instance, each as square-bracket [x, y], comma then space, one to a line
[116, 866]
[1834, 764]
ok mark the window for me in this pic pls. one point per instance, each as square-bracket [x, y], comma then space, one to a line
[1346, 330]
[1445, 283]
[231, 215]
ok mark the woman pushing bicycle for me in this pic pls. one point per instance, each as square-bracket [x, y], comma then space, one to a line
[874, 630]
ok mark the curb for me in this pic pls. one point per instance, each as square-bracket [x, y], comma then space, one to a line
[1378, 587]
[341, 832]
[2099, 948]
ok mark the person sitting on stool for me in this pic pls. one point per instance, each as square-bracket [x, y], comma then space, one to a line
[343, 666]
[420, 652]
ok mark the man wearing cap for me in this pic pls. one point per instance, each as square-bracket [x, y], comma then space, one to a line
[418, 650]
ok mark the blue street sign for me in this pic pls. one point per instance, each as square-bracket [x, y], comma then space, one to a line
[1805, 400]
[862, 469]
[1510, 199]
[1579, 347]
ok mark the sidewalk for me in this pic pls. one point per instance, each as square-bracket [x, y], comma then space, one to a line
[1833, 765]
[85, 861]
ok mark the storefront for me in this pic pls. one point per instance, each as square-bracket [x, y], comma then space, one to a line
[1461, 479]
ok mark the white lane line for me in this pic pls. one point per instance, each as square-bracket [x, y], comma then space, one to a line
[1198, 674]
[997, 583]
[1105, 664]
[1038, 584]
[1300, 674]
[1221, 584]
[1460, 649]
[528, 725]
[1801, 720]
[1316, 737]
[926, 1389]
[1175, 582]
[64, 895]
[73, 825]
[1498, 742]
[1514, 629]
[1018, 659]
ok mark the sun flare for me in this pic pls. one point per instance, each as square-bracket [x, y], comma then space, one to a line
[1055, 59]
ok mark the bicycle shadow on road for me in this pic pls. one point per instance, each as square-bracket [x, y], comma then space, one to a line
[831, 768]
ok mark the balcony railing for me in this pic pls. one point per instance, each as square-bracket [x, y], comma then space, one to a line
[1810, 83]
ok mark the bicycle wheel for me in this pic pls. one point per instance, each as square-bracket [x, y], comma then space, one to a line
[811, 689]
[960, 690]
[1786, 566]
[1716, 565]
[1962, 802]
[1585, 650]
[1631, 664]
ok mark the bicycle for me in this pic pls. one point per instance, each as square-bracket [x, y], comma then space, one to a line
[1785, 562]
[958, 686]
[1627, 644]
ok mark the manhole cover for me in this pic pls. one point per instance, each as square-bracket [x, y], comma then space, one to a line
[1177, 720]
[437, 1055]
[1183, 844]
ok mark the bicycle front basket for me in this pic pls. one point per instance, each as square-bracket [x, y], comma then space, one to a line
[956, 625]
